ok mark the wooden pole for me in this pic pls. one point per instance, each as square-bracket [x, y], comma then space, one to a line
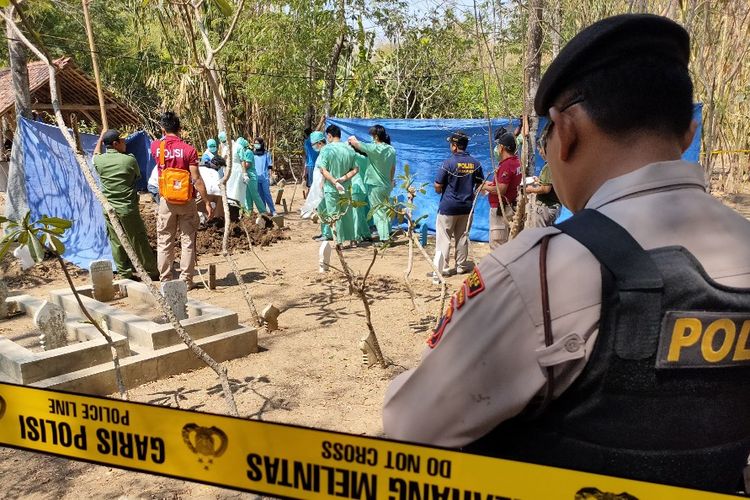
[95, 63]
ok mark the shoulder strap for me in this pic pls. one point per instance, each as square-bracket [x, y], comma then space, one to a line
[636, 314]
[161, 154]
[615, 248]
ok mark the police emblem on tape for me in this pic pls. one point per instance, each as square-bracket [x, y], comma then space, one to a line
[206, 442]
[698, 339]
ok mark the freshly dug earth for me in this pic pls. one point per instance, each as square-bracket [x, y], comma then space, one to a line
[46, 271]
[209, 239]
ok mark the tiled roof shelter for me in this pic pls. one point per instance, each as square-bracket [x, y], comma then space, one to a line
[77, 95]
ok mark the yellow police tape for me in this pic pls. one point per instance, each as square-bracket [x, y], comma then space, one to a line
[281, 460]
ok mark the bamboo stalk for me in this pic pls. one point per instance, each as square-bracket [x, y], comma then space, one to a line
[95, 63]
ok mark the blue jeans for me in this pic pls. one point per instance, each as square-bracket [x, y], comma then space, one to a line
[154, 190]
[264, 189]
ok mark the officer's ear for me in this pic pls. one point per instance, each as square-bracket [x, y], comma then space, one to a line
[565, 131]
[687, 139]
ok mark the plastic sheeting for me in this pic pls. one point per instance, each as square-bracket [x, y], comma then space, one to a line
[422, 144]
[56, 187]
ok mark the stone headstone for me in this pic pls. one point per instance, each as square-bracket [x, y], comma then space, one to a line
[439, 262]
[3, 297]
[175, 293]
[50, 319]
[279, 195]
[102, 278]
[278, 220]
[271, 316]
[324, 256]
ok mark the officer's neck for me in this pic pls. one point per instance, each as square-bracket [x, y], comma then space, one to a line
[606, 159]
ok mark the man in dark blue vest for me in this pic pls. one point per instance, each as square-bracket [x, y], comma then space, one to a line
[619, 341]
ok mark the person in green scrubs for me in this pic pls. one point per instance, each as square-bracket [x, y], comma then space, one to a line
[359, 194]
[118, 173]
[337, 164]
[317, 142]
[379, 176]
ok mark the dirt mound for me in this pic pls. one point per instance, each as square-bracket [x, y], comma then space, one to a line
[210, 238]
[45, 272]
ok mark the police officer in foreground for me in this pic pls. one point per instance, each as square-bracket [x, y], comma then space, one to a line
[617, 342]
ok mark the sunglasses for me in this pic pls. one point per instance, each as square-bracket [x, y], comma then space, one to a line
[541, 143]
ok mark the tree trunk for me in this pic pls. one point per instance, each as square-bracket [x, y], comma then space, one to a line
[556, 35]
[331, 73]
[18, 70]
[95, 63]
[334, 61]
[531, 77]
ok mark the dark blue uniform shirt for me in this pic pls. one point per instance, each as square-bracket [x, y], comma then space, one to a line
[459, 175]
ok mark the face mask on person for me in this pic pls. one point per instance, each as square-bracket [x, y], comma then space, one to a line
[498, 150]
[212, 149]
[317, 147]
[256, 146]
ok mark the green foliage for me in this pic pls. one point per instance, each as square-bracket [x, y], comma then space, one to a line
[398, 60]
[39, 236]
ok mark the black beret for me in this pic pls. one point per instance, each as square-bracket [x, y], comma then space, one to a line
[606, 42]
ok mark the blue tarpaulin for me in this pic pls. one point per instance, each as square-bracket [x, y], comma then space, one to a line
[56, 187]
[422, 144]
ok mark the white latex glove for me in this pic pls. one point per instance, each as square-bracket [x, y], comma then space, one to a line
[245, 179]
[339, 188]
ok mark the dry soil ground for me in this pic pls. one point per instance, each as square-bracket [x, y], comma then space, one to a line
[309, 372]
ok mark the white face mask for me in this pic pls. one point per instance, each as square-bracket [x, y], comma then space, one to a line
[256, 146]
[317, 147]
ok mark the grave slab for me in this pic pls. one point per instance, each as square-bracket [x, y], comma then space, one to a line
[102, 278]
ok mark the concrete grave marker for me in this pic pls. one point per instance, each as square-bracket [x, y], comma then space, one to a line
[50, 319]
[324, 256]
[278, 220]
[175, 293]
[271, 316]
[3, 297]
[101, 279]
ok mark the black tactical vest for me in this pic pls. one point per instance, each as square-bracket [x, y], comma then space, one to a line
[665, 395]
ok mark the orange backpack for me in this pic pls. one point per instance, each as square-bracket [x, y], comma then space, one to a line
[174, 183]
